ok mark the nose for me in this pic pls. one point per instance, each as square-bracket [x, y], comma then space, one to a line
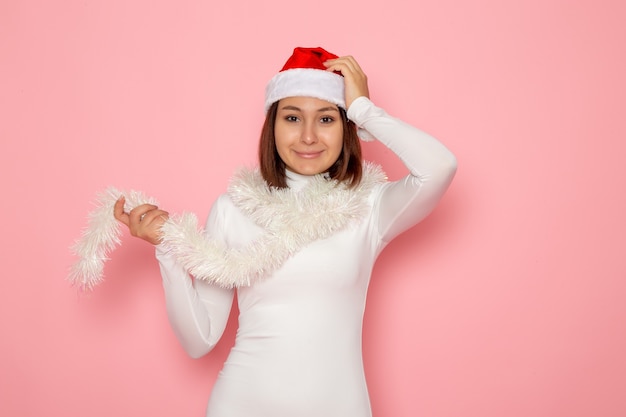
[309, 135]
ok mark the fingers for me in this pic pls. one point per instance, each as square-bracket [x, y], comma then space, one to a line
[151, 222]
[118, 211]
[355, 78]
[347, 66]
[149, 227]
[345, 62]
[138, 214]
[143, 221]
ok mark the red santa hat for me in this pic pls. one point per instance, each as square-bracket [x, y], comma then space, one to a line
[304, 75]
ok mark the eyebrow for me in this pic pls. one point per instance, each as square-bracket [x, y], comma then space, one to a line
[323, 109]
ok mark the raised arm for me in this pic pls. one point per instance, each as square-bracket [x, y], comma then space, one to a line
[431, 166]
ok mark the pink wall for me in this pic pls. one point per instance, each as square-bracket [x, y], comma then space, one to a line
[507, 301]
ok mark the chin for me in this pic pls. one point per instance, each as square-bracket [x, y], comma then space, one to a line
[311, 170]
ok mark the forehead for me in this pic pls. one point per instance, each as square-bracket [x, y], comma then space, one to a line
[306, 104]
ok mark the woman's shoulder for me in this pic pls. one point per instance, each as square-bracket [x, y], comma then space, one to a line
[225, 207]
[227, 220]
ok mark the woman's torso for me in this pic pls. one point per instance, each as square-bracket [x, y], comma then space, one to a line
[298, 344]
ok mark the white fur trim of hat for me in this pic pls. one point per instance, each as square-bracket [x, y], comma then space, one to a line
[306, 82]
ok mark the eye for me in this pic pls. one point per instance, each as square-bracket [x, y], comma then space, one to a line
[327, 119]
[291, 118]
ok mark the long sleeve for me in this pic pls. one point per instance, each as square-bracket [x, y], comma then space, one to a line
[197, 311]
[404, 203]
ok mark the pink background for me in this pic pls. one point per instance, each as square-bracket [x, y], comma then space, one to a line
[507, 301]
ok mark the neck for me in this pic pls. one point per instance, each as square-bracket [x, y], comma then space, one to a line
[297, 181]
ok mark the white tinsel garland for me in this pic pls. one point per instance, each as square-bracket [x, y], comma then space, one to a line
[101, 236]
[290, 219]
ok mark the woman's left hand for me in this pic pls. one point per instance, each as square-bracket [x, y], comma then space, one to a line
[355, 78]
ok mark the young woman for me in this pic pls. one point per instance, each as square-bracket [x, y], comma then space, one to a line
[299, 239]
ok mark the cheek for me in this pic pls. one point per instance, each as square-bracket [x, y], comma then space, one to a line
[337, 141]
[281, 137]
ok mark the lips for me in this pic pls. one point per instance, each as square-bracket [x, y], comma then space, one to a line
[308, 154]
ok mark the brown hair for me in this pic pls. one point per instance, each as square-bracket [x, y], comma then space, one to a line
[348, 166]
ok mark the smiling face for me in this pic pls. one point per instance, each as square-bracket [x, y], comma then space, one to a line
[308, 133]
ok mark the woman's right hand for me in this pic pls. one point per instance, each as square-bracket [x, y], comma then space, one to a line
[143, 221]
